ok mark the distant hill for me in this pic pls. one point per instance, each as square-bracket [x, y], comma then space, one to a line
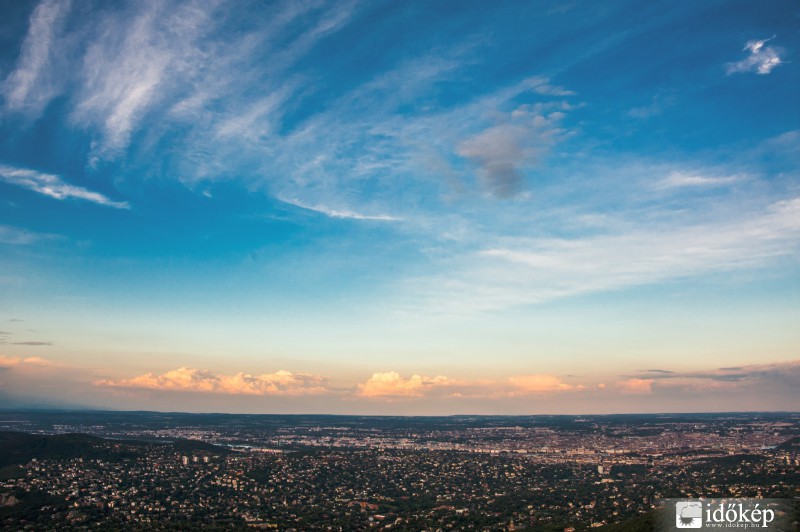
[790, 444]
[188, 446]
[20, 447]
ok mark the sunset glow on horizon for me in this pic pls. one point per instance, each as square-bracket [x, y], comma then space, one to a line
[400, 208]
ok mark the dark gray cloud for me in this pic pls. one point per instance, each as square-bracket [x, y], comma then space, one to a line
[32, 343]
[788, 372]
[498, 154]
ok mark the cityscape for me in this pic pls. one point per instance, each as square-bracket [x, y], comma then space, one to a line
[143, 470]
[351, 265]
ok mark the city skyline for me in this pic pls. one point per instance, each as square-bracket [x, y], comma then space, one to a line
[389, 208]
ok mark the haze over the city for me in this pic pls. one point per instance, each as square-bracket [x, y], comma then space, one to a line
[400, 207]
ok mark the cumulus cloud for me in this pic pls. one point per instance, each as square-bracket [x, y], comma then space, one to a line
[11, 362]
[498, 153]
[6, 361]
[636, 386]
[501, 152]
[761, 58]
[392, 384]
[194, 380]
[54, 186]
[540, 383]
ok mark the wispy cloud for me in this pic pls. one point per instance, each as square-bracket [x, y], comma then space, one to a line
[369, 140]
[54, 186]
[194, 380]
[658, 104]
[128, 67]
[342, 213]
[34, 81]
[18, 236]
[773, 377]
[32, 343]
[542, 85]
[534, 270]
[171, 75]
[762, 59]
[688, 179]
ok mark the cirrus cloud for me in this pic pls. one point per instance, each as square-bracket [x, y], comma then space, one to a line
[54, 186]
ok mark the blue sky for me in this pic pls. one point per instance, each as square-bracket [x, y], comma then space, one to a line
[389, 207]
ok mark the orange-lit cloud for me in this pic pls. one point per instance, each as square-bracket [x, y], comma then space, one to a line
[540, 383]
[636, 386]
[8, 362]
[391, 384]
[194, 380]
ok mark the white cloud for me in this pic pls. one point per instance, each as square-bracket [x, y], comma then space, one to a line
[34, 81]
[687, 179]
[193, 380]
[542, 85]
[15, 235]
[341, 213]
[656, 107]
[54, 186]
[127, 69]
[256, 120]
[762, 59]
[157, 71]
[378, 137]
[534, 270]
